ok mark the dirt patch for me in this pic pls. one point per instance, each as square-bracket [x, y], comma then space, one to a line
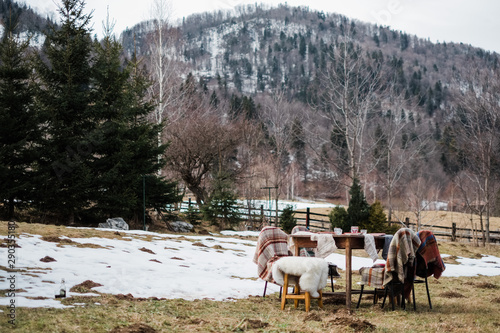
[486, 285]
[451, 294]
[47, 259]
[176, 258]
[135, 328]
[55, 239]
[199, 244]
[146, 250]
[312, 316]
[155, 260]
[335, 299]
[9, 242]
[451, 260]
[122, 297]
[37, 298]
[85, 287]
[251, 324]
[344, 319]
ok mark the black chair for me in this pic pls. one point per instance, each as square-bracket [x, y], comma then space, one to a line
[422, 272]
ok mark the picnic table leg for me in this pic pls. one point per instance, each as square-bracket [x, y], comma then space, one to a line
[348, 274]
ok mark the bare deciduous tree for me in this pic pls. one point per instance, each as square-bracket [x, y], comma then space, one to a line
[352, 84]
[164, 66]
[478, 136]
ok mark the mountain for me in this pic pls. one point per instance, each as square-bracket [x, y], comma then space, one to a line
[407, 91]
[265, 48]
[31, 24]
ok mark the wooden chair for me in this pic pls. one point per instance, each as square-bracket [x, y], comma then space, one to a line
[298, 295]
[307, 274]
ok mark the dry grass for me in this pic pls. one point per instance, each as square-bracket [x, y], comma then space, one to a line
[465, 304]
[460, 305]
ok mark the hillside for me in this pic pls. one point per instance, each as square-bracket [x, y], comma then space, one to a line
[263, 49]
[304, 102]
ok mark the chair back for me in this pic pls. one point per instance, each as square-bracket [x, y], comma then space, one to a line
[401, 254]
[429, 259]
[272, 244]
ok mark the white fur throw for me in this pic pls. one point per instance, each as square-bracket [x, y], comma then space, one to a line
[312, 272]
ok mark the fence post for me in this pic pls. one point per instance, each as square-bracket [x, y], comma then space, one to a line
[407, 222]
[307, 217]
[189, 203]
[453, 232]
[261, 214]
[250, 218]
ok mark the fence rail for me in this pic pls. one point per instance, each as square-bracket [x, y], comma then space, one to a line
[257, 217]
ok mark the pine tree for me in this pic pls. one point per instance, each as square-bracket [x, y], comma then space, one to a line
[126, 142]
[65, 102]
[359, 210]
[18, 121]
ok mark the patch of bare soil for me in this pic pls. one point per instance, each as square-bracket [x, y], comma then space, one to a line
[130, 297]
[486, 285]
[155, 260]
[37, 297]
[134, 328]
[85, 286]
[251, 324]
[146, 250]
[199, 244]
[451, 294]
[47, 259]
[55, 239]
[344, 319]
[334, 299]
[313, 316]
[9, 242]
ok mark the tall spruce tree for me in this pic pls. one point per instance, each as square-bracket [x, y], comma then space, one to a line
[18, 121]
[359, 210]
[65, 102]
[126, 142]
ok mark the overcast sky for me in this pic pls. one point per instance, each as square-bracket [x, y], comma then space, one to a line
[470, 22]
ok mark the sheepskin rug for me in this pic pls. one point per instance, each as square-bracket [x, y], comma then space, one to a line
[312, 272]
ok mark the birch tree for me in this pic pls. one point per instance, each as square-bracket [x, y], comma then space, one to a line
[351, 82]
[163, 64]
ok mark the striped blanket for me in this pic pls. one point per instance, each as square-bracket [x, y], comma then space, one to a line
[401, 257]
[430, 253]
[271, 245]
[373, 276]
[303, 251]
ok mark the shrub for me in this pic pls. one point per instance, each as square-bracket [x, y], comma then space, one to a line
[193, 215]
[287, 219]
[339, 218]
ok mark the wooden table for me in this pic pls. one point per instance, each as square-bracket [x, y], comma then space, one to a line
[348, 242]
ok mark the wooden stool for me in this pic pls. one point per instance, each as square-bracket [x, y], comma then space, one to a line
[297, 295]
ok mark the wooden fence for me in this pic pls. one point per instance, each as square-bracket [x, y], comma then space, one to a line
[256, 217]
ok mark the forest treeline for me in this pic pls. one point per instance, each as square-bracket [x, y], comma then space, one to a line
[300, 101]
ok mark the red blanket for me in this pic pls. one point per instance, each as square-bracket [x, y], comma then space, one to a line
[430, 253]
[271, 245]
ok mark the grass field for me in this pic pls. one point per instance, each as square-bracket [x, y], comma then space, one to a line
[463, 304]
